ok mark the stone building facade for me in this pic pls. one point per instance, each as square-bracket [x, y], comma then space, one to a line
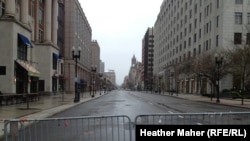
[148, 60]
[78, 34]
[29, 50]
[189, 28]
[37, 37]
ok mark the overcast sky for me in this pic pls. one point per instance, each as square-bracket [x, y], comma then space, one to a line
[119, 27]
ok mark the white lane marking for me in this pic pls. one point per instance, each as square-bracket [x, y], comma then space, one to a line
[180, 116]
[151, 103]
[170, 112]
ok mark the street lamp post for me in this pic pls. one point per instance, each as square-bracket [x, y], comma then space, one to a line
[75, 57]
[146, 87]
[104, 85]
[159, 85]
[100, 82]
[177, 87]
[172, 82]
[169, 83]
[218, 62]
[93, 69]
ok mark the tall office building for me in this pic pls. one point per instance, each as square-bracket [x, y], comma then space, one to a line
[95, 55]
[188, 28]
[78, 34]
[110, 74]
[148, 59]
[102, 67]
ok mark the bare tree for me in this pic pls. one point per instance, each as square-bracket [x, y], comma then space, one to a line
[204, 66]
[240, 57]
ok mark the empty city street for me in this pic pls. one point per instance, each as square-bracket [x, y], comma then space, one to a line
[132, 103]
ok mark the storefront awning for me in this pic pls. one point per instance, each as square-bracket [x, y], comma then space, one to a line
[25, 40]
[56, 56]
[31, 70]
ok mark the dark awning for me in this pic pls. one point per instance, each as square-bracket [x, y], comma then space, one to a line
[56, 56]
[25, 40]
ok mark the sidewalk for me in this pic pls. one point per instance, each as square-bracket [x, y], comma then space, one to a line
[223, 101]
[200, 98]
[47, 106]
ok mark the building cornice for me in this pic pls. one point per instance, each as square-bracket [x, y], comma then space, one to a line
[13, 20]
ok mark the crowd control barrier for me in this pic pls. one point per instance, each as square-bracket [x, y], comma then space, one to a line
[109, 128]
[209, 118]
[102, 128]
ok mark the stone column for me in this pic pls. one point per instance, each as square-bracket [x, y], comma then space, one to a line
[24, 11]
[48, 13]
[10, 7]
[55, 21]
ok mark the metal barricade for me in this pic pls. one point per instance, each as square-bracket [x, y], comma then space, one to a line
[109, 128]
[90, 128]
[221, 118]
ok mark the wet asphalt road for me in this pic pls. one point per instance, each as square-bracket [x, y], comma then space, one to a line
[135, 103]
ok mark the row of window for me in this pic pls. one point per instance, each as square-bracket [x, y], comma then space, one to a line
[31, 12]
[238, 38]
[2, 8]
[207, 45]
[239, 18]
[165, 43]
[173, 30]
[207, 27]
[171, 2]
[207, 10]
